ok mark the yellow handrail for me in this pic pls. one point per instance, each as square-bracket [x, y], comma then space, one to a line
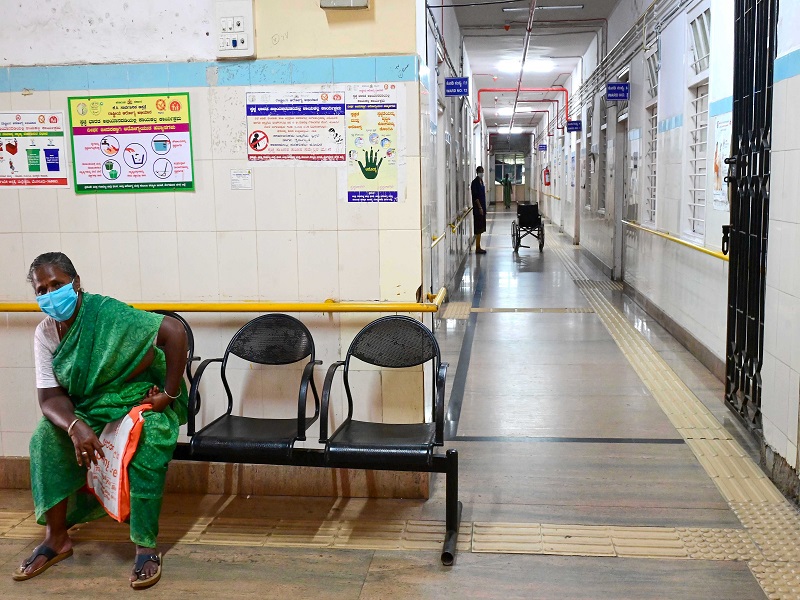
[438, 298]
[329, 306]
[672, 238]
[550, 196]
[459, 219]
[436, 240]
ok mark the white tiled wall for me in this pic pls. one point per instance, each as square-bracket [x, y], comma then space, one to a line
[291, 238]
[781, 369]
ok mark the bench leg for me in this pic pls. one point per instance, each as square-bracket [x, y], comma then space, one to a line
[453, 509]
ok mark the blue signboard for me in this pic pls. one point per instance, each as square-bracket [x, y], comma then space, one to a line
[456, 86]
[618, 91]
[543, 147]
[575, 126]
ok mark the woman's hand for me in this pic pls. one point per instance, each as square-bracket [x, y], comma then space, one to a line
[88, 449]
[157, 399]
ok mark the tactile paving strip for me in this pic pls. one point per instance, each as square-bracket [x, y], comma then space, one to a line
[632, 542]
[455, 310]
[780, 581]
[772, 525]
[609, 286]
[483, 309]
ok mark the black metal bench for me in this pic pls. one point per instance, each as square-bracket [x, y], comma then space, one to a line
[277, 339]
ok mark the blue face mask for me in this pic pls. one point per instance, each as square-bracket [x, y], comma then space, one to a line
[59, 304]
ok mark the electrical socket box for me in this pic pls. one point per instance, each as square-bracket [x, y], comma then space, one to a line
[234, 29]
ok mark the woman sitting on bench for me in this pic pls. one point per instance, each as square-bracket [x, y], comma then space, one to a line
[96, 359]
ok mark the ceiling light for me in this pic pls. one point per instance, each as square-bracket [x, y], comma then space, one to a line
[526, 9]
[505, 111]
[512, 130]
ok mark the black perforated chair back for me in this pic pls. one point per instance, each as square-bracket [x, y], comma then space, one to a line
[528, 214]
[273, 339]
[395, 341]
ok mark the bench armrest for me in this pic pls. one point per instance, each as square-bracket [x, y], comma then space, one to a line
[441, 377]
[308, 376]
[326, 397]
[194, 394]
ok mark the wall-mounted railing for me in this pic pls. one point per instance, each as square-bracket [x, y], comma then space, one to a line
[453, 226]
[329, 306]
[677, 240]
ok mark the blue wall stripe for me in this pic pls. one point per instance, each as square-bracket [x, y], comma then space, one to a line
[720, 107]
[183, 75]
[358, 69]
[208, 74]
[312, 70]
[671, 123]
[28, 78]
[271, 72]
[396, 68]
[68, 78]
[108, 77]
[787, 66]
[154, 75]
[229, 74]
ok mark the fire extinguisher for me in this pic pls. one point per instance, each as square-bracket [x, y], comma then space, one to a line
[546, 177]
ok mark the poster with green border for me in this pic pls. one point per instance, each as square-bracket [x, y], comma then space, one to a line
[132, 143]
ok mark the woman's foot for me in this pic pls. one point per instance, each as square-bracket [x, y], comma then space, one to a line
[147, 568]
[61, 548]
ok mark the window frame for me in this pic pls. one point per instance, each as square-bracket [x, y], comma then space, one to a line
[693, 222]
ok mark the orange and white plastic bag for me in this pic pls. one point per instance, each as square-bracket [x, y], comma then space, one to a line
[108, 479]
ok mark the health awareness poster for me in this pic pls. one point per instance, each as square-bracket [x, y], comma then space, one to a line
[304, 124]
[138, 143]
[33, 149]
[372, 143]
[722, 149]
[353, 127]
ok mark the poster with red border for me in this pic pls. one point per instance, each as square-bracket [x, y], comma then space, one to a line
[33, 149]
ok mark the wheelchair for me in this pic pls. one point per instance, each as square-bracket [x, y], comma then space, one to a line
[528, 222]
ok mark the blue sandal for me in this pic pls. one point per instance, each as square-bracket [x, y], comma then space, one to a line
[138, 567]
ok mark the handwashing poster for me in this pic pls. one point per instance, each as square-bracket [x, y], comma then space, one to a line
[139, 143]
[32, 149]
[372, 142]
[353, 127]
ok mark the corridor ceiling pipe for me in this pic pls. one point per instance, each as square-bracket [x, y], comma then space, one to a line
[551, 100]
[560, 89]
[525, 45]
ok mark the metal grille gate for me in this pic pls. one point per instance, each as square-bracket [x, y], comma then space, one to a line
[749, 179]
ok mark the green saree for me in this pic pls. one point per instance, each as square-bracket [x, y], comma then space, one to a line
[92, 363]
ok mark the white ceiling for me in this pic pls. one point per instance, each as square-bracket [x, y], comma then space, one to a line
[487, 43]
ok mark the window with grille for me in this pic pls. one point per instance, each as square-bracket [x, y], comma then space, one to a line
[511, 164]
[700, 30]
[652, 73]
[601, 157]
[651, 155]
[698, 147]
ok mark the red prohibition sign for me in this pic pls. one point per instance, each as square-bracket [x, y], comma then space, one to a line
[258, 141]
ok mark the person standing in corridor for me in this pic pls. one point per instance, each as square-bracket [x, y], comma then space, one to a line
[507, 190]
[479, 208]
